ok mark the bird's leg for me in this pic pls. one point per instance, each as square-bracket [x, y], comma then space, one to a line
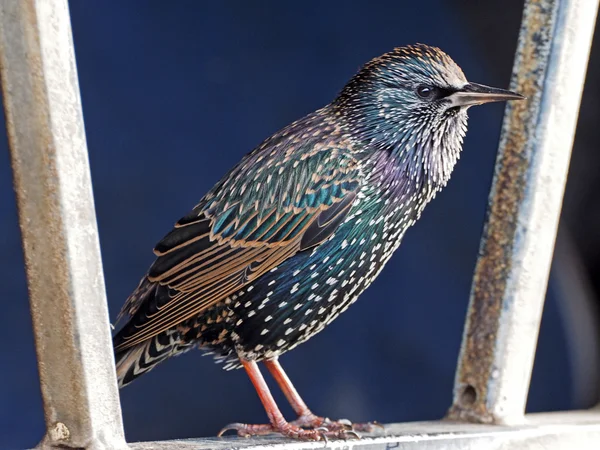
[278, 423]
[306, 418]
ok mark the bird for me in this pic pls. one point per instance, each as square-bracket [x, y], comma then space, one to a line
[293, 234]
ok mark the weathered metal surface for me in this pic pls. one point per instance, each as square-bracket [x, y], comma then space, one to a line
[511, 275]
[575, 430]
[58, 226]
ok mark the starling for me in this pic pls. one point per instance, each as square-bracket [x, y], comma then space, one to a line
[301, 226]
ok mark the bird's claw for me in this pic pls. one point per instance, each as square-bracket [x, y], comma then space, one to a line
[337, 425]
[229, 427]
[352, 433]
[323, 434]
[246, 430]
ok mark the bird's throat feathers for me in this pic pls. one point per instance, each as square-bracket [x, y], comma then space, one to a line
[420, 155]
[429, 156]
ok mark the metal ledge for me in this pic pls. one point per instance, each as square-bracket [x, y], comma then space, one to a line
[565, 430]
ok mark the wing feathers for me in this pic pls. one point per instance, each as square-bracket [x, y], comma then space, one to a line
[250, 223]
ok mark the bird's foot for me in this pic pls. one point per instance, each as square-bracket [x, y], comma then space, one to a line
[291, 430]
[311, 420]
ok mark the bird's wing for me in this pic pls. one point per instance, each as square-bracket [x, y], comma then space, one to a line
[263, 212]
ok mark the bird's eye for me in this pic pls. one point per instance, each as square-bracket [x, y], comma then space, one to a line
[426, 91]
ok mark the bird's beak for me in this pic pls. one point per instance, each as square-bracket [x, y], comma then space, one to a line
[477, 94]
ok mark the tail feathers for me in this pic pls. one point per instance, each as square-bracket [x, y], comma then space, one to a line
[137, 360]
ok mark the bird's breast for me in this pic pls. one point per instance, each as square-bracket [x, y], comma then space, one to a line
[304, 294]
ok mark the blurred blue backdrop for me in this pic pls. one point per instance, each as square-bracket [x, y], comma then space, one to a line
[174, 93]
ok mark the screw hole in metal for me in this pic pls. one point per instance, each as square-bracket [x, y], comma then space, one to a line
[468, 396]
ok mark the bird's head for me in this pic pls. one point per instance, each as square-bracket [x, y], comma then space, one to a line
[413, 101]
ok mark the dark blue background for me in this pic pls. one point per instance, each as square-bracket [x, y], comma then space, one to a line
[174, 93]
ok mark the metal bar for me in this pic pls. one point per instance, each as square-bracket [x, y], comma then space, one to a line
[58, 226]
[573, 430]
[511, 275]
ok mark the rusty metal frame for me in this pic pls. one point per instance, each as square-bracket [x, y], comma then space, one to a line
[66, 284]
[58, 225]
[511, 275]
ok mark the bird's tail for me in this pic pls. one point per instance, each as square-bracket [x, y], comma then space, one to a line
[135, 361]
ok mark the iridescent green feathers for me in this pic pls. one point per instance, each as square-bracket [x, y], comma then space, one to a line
[279, 200]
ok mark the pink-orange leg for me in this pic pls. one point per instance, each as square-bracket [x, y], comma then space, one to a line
[306, 418]
[278, 422]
